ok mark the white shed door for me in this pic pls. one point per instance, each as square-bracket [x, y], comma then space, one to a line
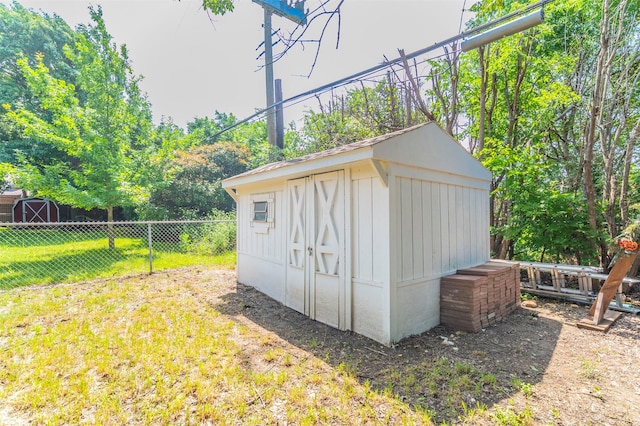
[315, 245]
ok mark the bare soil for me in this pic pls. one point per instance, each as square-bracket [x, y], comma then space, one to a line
[543, 364]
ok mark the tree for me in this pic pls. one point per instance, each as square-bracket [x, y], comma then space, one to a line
[358, 114]
[252, 135]
[27, 33]
[102, 125]
[195, 188]
[562, 97]
[614, 99]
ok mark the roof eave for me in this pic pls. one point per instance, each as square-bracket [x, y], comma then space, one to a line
[303, 168]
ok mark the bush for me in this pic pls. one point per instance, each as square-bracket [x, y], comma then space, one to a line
[210, 238]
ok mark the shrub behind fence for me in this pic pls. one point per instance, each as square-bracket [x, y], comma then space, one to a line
[46, 253]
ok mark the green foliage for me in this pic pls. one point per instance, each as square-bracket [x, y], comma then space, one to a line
[634, 189]
[194, 189]
[508, 417]
[27, 33]
[218, 7]
[99, 126]
[251, 135]
[360, 114]
[550, 225]
[24, 33]
[527, 99]
[210, 238]
[544, 223]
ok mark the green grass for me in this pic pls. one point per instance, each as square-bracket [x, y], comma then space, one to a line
[441, 379]
[37, 256]
[153, 350]
[159, 349]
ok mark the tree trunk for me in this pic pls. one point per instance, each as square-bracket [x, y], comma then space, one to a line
[110, 232]
[483, 100]
[447, 92]
[592, 123]
[624, 185]
[415, 93]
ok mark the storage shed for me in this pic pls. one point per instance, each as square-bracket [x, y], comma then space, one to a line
[7, 200]
[358, 237]
[35, 210]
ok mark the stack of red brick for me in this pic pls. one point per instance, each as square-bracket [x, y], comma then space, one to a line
[477, 297]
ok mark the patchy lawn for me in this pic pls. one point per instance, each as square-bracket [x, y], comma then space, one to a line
[190, 346]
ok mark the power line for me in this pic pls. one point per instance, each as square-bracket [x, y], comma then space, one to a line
[354, 78]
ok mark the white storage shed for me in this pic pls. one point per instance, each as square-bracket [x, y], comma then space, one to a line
[358, 237]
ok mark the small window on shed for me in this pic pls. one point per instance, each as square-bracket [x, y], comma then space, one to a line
[260, 210]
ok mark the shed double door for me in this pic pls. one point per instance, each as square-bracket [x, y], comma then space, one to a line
[315, 247]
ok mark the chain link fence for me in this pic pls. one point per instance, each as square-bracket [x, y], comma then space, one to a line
[48, 253]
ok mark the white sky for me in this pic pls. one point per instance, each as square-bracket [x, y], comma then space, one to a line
[193, 66]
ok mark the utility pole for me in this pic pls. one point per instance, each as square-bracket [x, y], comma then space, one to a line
[294, 12]
[279, 115]
[268, 67]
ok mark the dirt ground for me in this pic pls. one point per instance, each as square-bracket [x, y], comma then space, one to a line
[567, 375]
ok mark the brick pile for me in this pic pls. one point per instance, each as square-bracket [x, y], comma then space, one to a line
[477, 297]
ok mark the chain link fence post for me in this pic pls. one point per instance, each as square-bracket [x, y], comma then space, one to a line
[150, 238]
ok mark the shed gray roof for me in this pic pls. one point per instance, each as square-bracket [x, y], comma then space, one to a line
[328, 153]
[425, 145]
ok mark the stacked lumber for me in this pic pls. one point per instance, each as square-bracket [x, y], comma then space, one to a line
[477, 297]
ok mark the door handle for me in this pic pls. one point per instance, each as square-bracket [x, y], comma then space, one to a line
[310, 250]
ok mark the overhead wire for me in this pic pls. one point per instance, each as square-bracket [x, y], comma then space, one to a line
[357, 77]
[376, 78]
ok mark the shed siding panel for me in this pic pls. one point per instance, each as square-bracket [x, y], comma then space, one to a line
[467, 229]
[380, 229]
[266, 276]
[363, 239]
[406, 231]
[266, 244]
[242, 218]
[453, 209]
[427, 228]
[476, 223]
[444, 213]
[442, 228]
[418, 212]
[370, 227]
[420, 307]
[436, 230]
[370, 254]
[369, 303]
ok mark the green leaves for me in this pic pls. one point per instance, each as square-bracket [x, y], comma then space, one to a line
[218, 7]
[195, 189]
[98, 125]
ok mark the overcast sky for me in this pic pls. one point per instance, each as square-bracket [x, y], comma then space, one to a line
[194, 65]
